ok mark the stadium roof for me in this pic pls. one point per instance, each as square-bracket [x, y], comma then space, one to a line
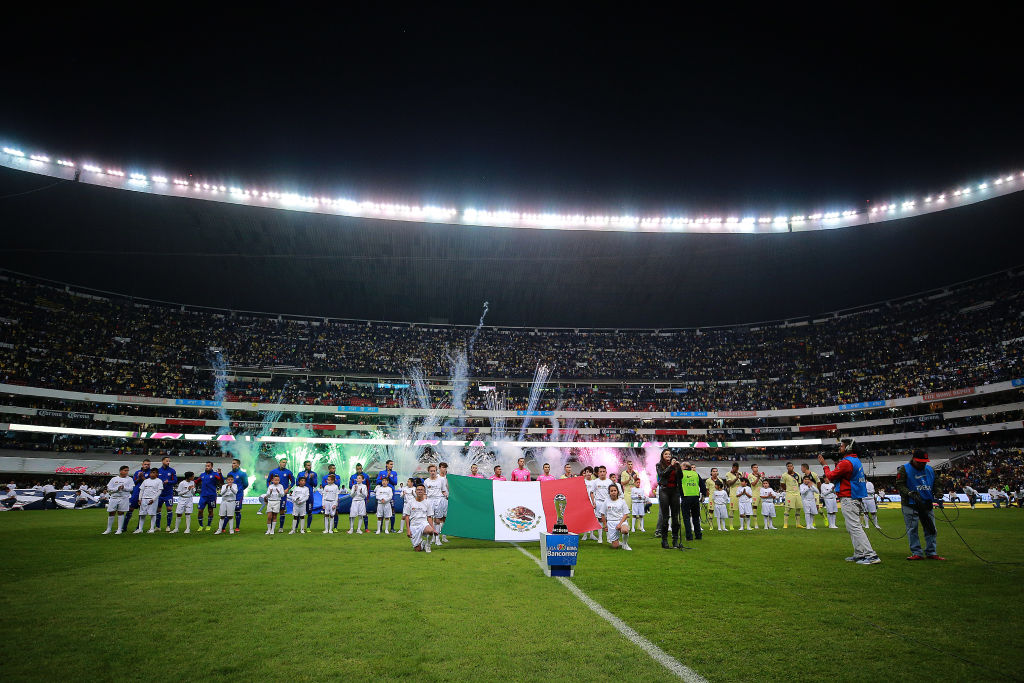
[242, 257]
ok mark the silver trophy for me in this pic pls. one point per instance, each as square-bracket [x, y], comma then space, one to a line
[560, 503]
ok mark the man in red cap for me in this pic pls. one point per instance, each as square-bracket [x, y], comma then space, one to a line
[916, 484]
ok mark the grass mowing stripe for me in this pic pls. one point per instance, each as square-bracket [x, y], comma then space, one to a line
[656, 653]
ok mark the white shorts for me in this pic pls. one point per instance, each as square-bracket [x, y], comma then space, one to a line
[600, 508]
[746, 507]
[330, 508]
[273, 506]
[358, 508]
[721, 511]
[767, 508]
[416, 533]
[184, 506]
[613, 532]
[118, 505]
[811, 508]
[148, 507]
[440, 507]
[227, 508]
[869, 505]
[830, 505]
[384, 510]
[638, 509]
[298, 509]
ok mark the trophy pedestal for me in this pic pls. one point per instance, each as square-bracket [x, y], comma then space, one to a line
[558, 553]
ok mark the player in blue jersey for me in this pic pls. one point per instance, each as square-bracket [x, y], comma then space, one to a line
[390, 477]
[331, 470]
[169, 477]
[133, 503]
[209, 482]
[242, 482]
[366, 482]
[287, 481]
[311, 481]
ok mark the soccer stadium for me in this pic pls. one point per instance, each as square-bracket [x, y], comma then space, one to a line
[777, 440]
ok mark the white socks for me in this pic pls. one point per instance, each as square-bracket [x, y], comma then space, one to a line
[110, 522]
[270, 527]
[600, 535]
[831, 519]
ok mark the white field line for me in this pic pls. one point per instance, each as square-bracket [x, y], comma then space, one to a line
[655, 652]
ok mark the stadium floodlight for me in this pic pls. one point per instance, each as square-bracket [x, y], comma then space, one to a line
[726, 222]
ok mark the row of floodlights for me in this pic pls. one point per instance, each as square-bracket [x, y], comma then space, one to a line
[482, 217]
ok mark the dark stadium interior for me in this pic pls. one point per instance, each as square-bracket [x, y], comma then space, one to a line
[250, 258]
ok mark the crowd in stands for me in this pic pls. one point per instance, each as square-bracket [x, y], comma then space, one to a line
[55, 338]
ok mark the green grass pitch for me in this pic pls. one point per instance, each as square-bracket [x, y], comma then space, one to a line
[753, 605]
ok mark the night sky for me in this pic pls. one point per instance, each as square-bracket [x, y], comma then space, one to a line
[593, 110]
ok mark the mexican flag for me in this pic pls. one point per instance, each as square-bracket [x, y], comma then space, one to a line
[515, 510]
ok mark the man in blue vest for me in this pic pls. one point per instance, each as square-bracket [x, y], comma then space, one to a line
[310, 475]
[389, 477]
[916, 484]
[209, 482]
[852, 490]
[242, 482]
[287, 480]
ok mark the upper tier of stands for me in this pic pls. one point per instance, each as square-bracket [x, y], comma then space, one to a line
[965, 336]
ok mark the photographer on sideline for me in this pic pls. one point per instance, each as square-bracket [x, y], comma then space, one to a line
[852, 489]
[916, 484]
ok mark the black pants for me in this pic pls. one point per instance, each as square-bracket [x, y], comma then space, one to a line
[49, 498]
[668, 501]
[691, 517]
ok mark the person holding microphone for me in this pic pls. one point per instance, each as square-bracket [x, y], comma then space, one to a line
[849, 472]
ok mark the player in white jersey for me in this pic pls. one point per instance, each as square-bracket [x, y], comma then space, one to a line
[120, 489]
[639, 500]
[767, 495]
[408, 493]
[419, 516]
[745, 502]
[436, 487]
[274, 499]
[720, 499]
[441, 504]
[228, 492]
[186, 490]
[601, 486]
[808, 492]
[359, 495]
[828, 499]
[615, 519]
[591, 484]
[149, 496]
[299, 497]
[330, 492]
[385, 512]
[870, 506]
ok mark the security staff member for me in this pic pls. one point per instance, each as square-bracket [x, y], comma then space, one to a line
[693, 487]
[916, 484]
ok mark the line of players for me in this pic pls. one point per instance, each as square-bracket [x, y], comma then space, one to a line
[750, 493]
[151, 488]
